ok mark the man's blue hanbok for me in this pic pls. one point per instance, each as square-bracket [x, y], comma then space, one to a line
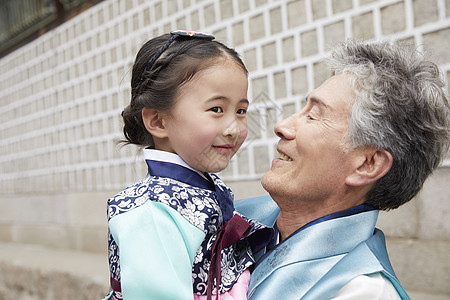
[320, 258]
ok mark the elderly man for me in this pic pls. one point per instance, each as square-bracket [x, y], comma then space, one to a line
[365, 141]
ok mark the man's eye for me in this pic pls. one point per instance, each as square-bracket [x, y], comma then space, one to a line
[241, 111]
[311, 117]
[216, 109]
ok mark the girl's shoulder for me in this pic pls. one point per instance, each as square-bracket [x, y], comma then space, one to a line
[129, 198]
[178, 195]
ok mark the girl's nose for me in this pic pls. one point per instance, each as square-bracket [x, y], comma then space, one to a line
[285, 129]
[232, 129]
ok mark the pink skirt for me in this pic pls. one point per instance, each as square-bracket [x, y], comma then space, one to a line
[237, 292]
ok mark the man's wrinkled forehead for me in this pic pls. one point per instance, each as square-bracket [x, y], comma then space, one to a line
[314, 100]
[334, 95]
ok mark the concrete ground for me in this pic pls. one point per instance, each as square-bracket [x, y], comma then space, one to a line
[29, 272]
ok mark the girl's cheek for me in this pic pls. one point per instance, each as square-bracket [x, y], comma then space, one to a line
[244, 129]
[243, 133]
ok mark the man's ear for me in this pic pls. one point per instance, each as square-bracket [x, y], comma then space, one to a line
[154, 122]
[371, 165]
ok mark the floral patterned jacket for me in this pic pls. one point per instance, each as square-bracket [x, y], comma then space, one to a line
[161, 231]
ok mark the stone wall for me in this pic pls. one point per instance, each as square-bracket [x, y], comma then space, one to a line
[62, 94]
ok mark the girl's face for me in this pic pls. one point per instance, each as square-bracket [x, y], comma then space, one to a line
[208, 122]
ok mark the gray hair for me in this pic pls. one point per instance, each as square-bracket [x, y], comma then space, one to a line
[401, 107]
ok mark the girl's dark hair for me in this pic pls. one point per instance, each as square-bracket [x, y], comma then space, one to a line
[158, 86]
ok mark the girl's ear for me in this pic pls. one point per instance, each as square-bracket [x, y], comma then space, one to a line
[371, 165]
[154, 122]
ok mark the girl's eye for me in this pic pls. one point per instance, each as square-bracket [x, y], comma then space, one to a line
[241, 111]
[216, 109]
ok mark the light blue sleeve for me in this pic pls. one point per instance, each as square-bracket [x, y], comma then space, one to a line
[262, 209]
[157, 247]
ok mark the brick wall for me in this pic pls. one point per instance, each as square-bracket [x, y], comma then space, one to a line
[61, 98]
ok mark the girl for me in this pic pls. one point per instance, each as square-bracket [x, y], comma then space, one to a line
[175, 234]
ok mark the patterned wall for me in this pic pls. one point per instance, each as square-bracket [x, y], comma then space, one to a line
[61, 95]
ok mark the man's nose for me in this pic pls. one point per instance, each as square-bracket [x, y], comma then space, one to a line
[285, 129]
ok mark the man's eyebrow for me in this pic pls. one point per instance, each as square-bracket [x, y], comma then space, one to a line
[316, 101]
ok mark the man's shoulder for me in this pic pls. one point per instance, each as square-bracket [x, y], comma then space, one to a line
[372, 286]
[262, 209]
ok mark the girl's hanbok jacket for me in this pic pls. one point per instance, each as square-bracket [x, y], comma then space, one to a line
[163, 232]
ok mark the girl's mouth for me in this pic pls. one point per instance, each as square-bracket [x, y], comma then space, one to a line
[224, 149]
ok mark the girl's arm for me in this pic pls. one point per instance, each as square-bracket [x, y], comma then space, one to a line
[157, 247]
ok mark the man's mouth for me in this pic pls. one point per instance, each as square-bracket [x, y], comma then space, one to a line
[284, 157]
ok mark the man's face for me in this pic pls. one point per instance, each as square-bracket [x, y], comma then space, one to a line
[314, 157]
